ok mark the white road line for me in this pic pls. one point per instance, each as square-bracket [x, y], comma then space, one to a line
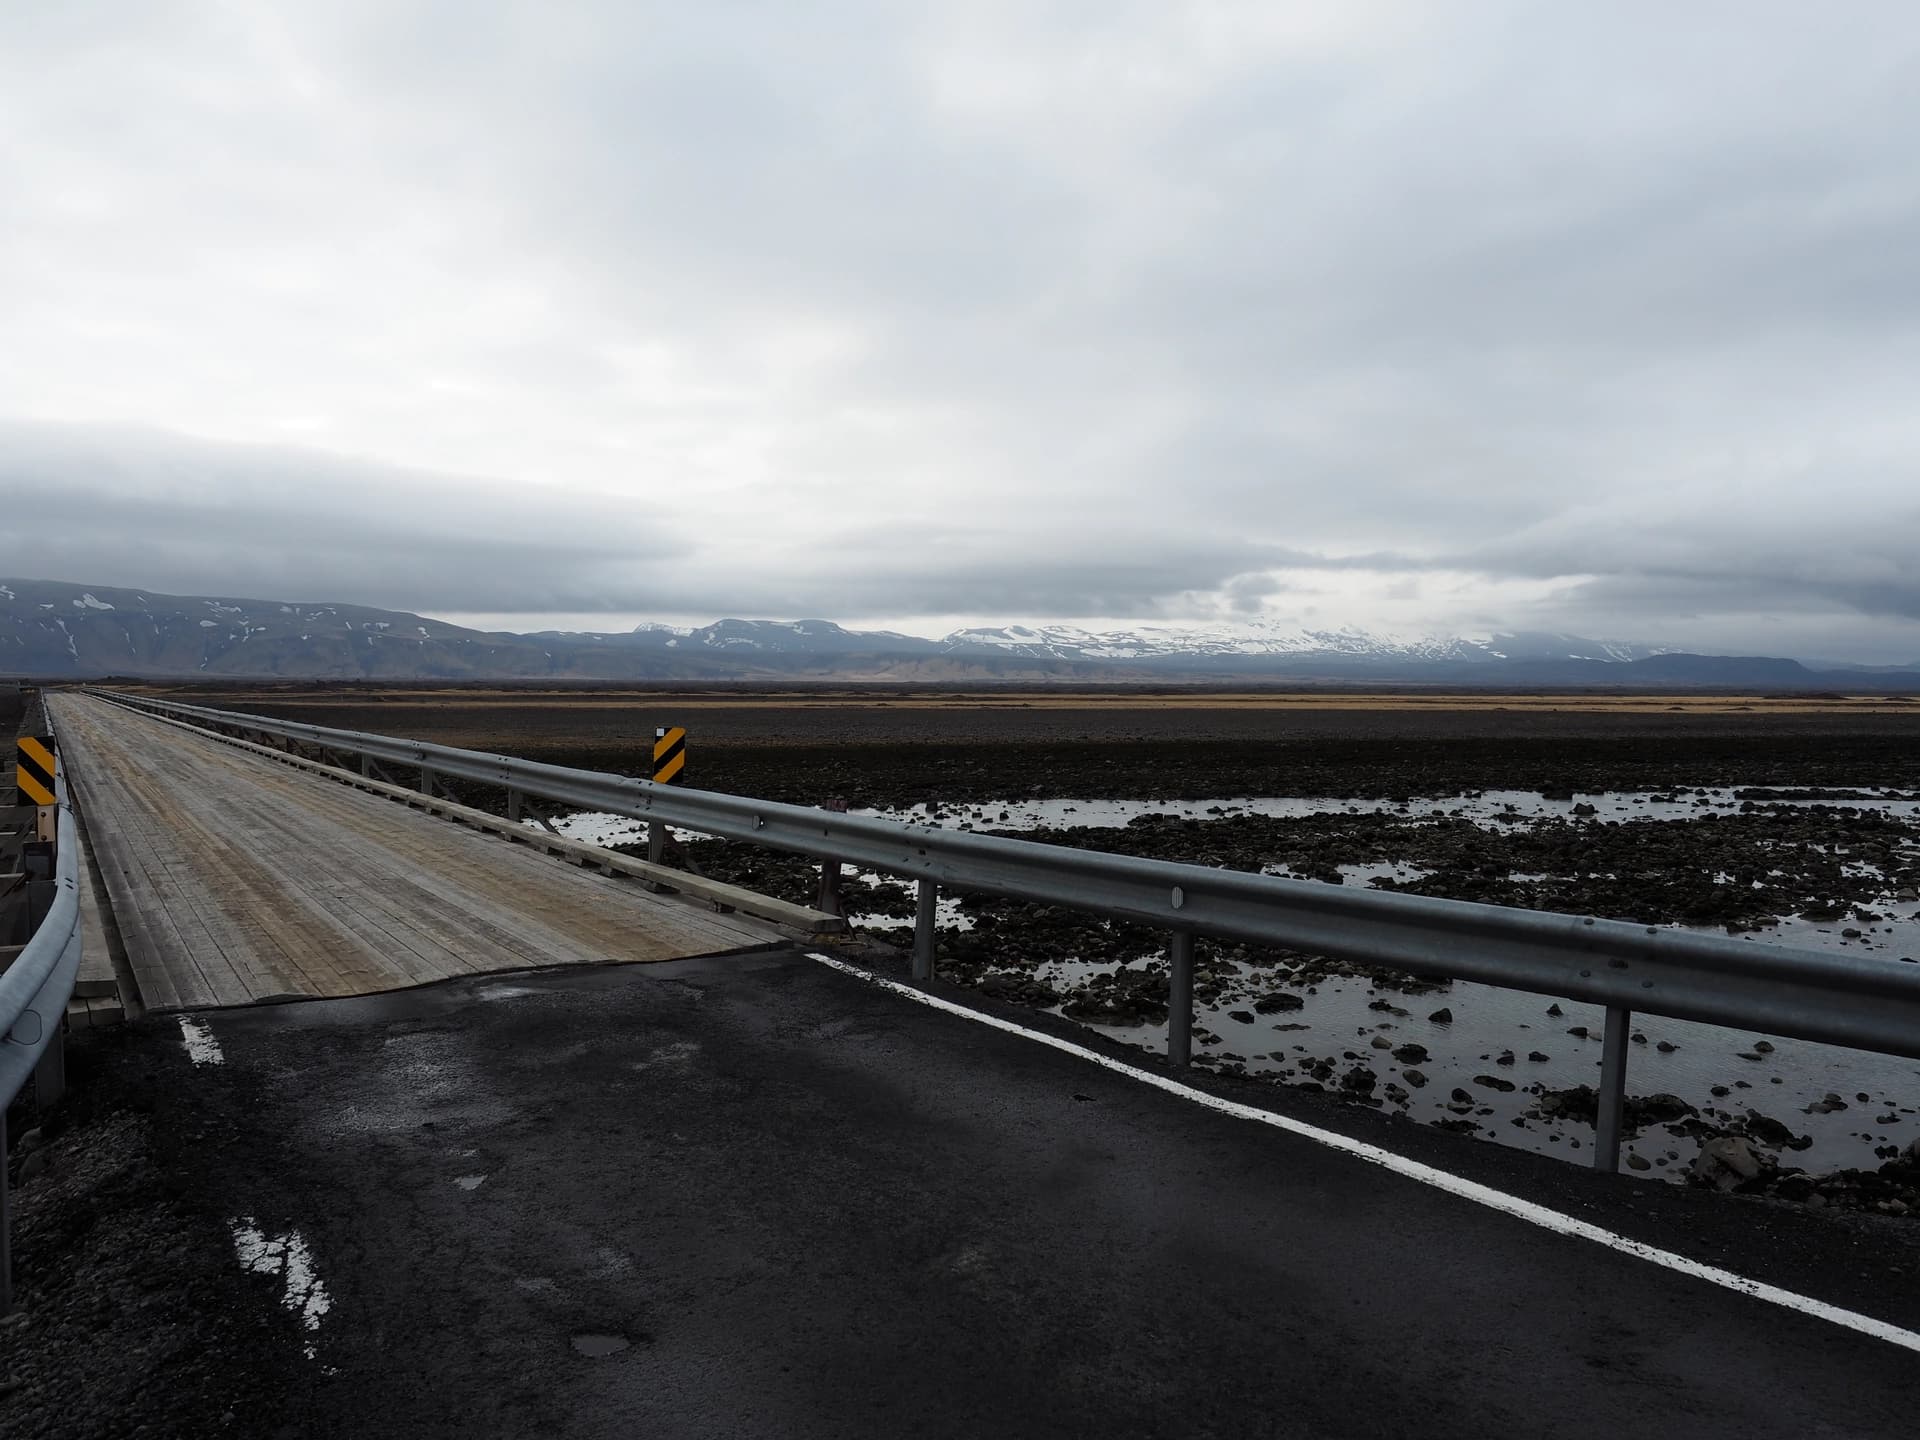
[1452, 1184]
[202, 1048]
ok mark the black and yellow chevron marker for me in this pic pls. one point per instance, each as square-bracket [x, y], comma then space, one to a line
[669, 754]
[33, 769]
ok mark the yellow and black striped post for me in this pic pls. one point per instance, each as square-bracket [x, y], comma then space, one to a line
[669, 754]
[33, 769]
[669, 761]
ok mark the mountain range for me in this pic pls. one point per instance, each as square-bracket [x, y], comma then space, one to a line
[56, 630]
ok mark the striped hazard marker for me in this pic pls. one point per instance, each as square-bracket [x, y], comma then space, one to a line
[33, 769]
[669, 754]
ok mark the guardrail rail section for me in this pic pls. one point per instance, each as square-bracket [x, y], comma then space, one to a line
[1864, 1002]
[34, 990]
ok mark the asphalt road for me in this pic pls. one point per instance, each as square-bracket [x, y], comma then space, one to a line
[810, 1207]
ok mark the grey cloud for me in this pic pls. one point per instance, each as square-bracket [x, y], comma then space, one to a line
[1122, 309]
[171, 514]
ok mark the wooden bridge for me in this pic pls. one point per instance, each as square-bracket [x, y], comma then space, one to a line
[236, 878]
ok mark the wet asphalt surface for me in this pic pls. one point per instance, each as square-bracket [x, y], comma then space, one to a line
[795, 1204]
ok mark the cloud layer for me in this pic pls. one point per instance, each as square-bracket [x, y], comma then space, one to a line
[1468, 316]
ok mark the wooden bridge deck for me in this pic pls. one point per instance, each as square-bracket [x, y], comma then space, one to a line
[235, 879]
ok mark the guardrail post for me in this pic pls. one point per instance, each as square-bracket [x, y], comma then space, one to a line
[513, 805]
[50, 1073]
[1613, 1090]
[829, 888]
[656, 842]
[923, 917]
[426, 781]
[366, 767]
[1180, 998]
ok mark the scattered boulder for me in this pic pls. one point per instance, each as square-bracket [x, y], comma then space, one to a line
[1769, 1131]
[1442, 1016]
[1731, 1163]
[1279, 1000]
[1360, 1080]
[1411, 1054]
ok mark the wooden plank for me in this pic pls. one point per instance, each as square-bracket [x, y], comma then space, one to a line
[268, 873]
[579, 852]
[164, 965]
[748, 902]
[151, 943]
[96, 975]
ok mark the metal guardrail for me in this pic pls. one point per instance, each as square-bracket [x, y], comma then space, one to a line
[1858, 1001]
[34, 991]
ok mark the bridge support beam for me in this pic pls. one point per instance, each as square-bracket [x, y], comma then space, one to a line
[1613, 1090]
[923, 917]
[1180, 998]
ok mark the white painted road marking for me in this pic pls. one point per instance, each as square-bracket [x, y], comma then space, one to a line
[1452, 1184]
[288, 1258]
[202, 1048]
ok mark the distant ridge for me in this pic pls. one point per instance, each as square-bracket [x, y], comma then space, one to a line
[57, 630]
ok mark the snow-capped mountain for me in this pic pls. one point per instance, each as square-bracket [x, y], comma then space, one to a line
[60, 630]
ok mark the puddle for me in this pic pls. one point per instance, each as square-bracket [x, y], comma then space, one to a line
[1493, 1036]
[1488, 807]
[596, 1347]
[504, 992]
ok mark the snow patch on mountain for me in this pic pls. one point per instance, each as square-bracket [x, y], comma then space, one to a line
[1252, 639]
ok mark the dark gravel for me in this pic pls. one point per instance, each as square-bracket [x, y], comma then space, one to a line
[132, 1316]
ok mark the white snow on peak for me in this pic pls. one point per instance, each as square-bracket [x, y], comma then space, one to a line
[1245, 638]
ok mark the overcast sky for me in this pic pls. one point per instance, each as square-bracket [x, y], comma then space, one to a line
[1599, 317]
